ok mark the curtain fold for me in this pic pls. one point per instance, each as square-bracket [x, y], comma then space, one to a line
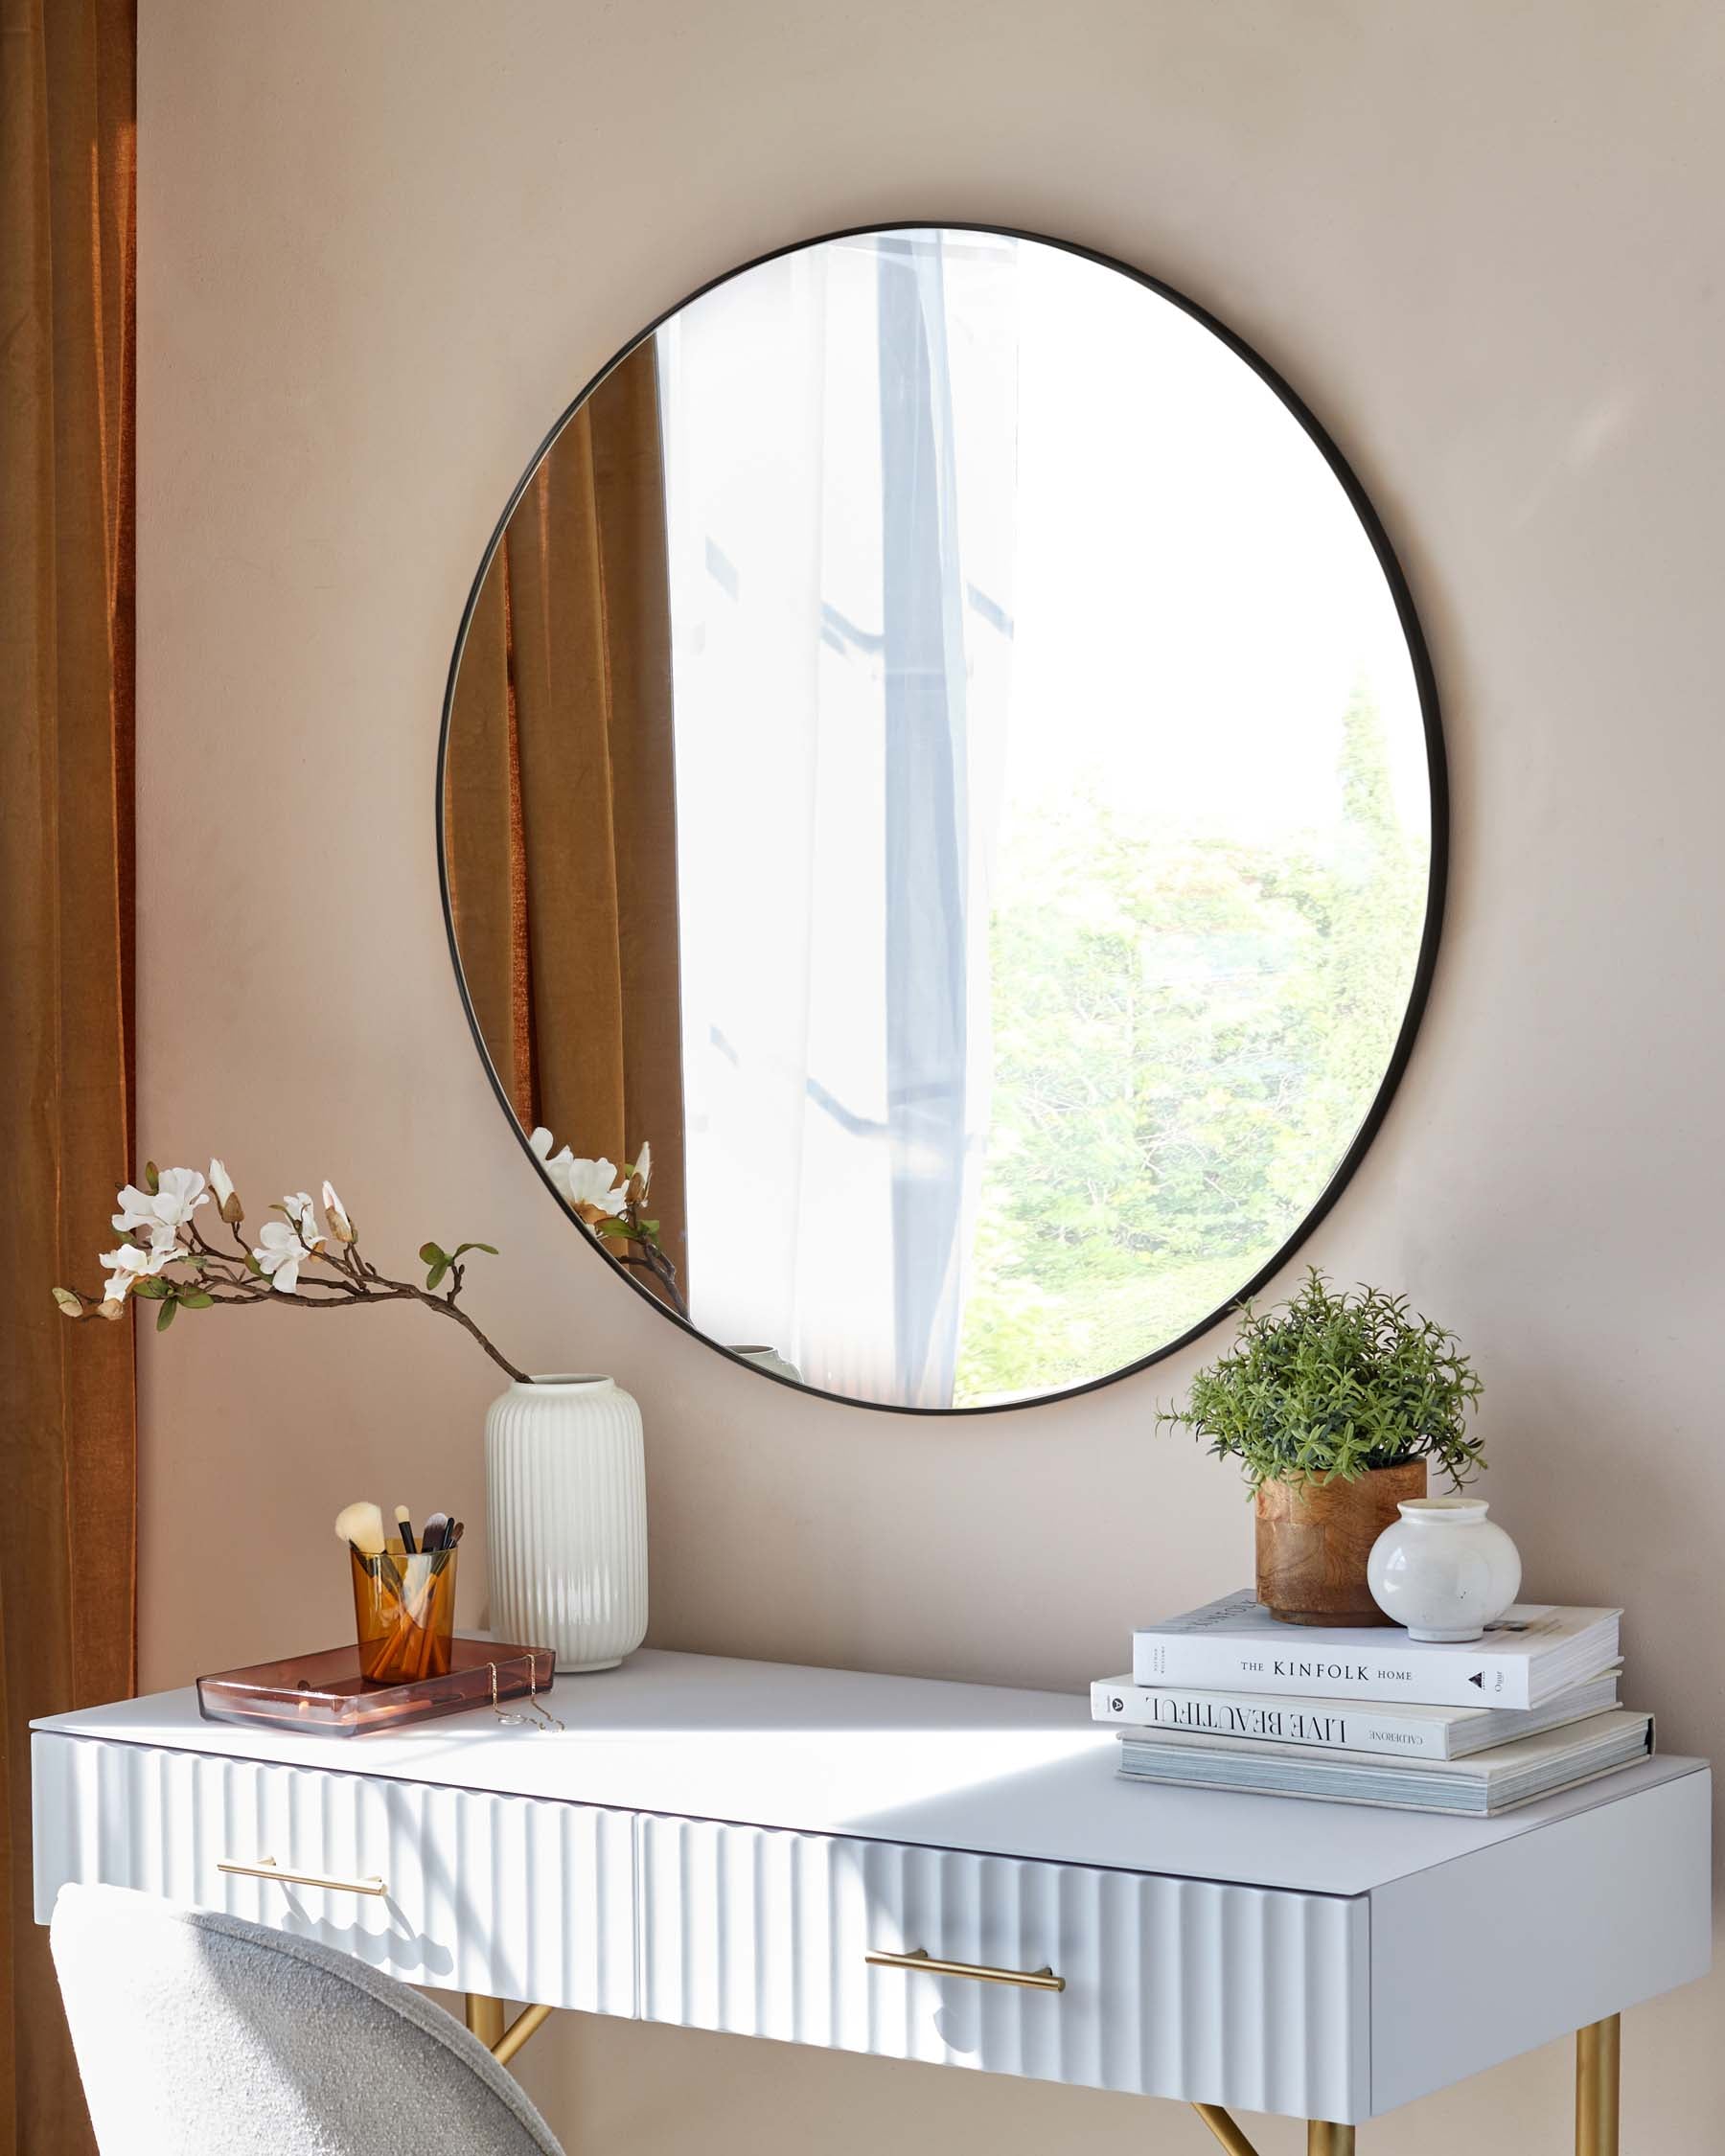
[926, 835]
[67, 1444]
[560, 803]
[842, 431]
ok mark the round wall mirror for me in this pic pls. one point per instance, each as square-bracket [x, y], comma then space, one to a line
[942, 813]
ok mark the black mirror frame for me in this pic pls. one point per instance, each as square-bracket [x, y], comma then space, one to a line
[1437, 765]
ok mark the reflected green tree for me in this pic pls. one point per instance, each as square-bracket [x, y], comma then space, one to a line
[1188, 1032]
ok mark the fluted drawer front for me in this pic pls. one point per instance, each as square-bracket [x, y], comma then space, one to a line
[518, 1898]
[1174, 1987]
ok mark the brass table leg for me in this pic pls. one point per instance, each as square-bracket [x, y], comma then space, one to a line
[518, 2030]
[484, 2018]
[1221, 2126]
[1322, 2139]
[1597, 2051]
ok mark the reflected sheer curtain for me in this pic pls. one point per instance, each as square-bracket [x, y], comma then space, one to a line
[67, 1455]
[560, 812]
[840, 446]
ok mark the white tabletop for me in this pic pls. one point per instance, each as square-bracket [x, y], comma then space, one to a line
[976, 1767]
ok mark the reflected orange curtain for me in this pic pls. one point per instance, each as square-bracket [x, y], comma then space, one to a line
[67, 1459]
[560, 802]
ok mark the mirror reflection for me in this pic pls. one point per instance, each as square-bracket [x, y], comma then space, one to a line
[935, 752]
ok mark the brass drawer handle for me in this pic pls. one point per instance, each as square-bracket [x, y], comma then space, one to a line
[267, 1868]
[1031, 1980]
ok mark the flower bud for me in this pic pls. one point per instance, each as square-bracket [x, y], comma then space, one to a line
[335, 1214]
[227, 1198]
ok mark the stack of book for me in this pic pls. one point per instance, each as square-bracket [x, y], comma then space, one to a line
[1227, 1697]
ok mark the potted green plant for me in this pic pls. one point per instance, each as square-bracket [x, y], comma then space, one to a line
[1335, 1405]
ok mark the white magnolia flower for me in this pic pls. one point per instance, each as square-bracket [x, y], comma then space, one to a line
[557, 1164]
[128, 1265]
[584, 1187]
[558, 1167]
[279, 1253]
[336, 1213]
[160, 1213]
[589, 1185]
[283, 1246]
[221, 1183]
[298, 1205]
[644, 1166]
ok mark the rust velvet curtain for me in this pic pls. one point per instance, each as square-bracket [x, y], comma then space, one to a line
[67, 1459]
[559, 799]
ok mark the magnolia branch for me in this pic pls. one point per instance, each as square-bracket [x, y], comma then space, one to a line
[642, 1255]
[163, 1257]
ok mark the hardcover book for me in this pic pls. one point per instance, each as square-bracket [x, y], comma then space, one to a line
[1398, 1730]
[1495, 1781]
[1533, 1651]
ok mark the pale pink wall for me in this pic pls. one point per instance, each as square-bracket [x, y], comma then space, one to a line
[382, 241]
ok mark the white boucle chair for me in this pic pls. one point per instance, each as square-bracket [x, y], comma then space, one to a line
[204, 2036]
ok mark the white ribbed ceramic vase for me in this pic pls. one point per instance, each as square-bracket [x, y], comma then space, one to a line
[566, 1494]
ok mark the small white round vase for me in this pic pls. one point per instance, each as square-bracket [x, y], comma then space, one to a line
[1443, 1568]
[565, 1484]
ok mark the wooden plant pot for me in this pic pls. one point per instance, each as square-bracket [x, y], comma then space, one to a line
[1313, 1539]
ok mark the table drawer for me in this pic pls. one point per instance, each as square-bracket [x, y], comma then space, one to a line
[515, 1898]
[1172, 1988]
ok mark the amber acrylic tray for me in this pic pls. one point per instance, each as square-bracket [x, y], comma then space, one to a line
[327, 1694]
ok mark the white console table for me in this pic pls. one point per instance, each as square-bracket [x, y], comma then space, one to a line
[938, 1871]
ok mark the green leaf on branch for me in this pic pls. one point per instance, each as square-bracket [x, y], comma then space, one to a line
[68, 1302]
[461, 1249]
[611, 1226]
[434, 1278]
[165, 1316]
[152, 1178]
[197, 1300]
[154, 1291]
[253, 1267]
[430, 1253]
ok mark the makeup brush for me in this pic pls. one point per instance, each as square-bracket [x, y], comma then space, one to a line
[436, 1543]
[362, 1525]
[431, 1545]
[404, 1522]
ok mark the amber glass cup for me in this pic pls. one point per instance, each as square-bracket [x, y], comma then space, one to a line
[404, 1610]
